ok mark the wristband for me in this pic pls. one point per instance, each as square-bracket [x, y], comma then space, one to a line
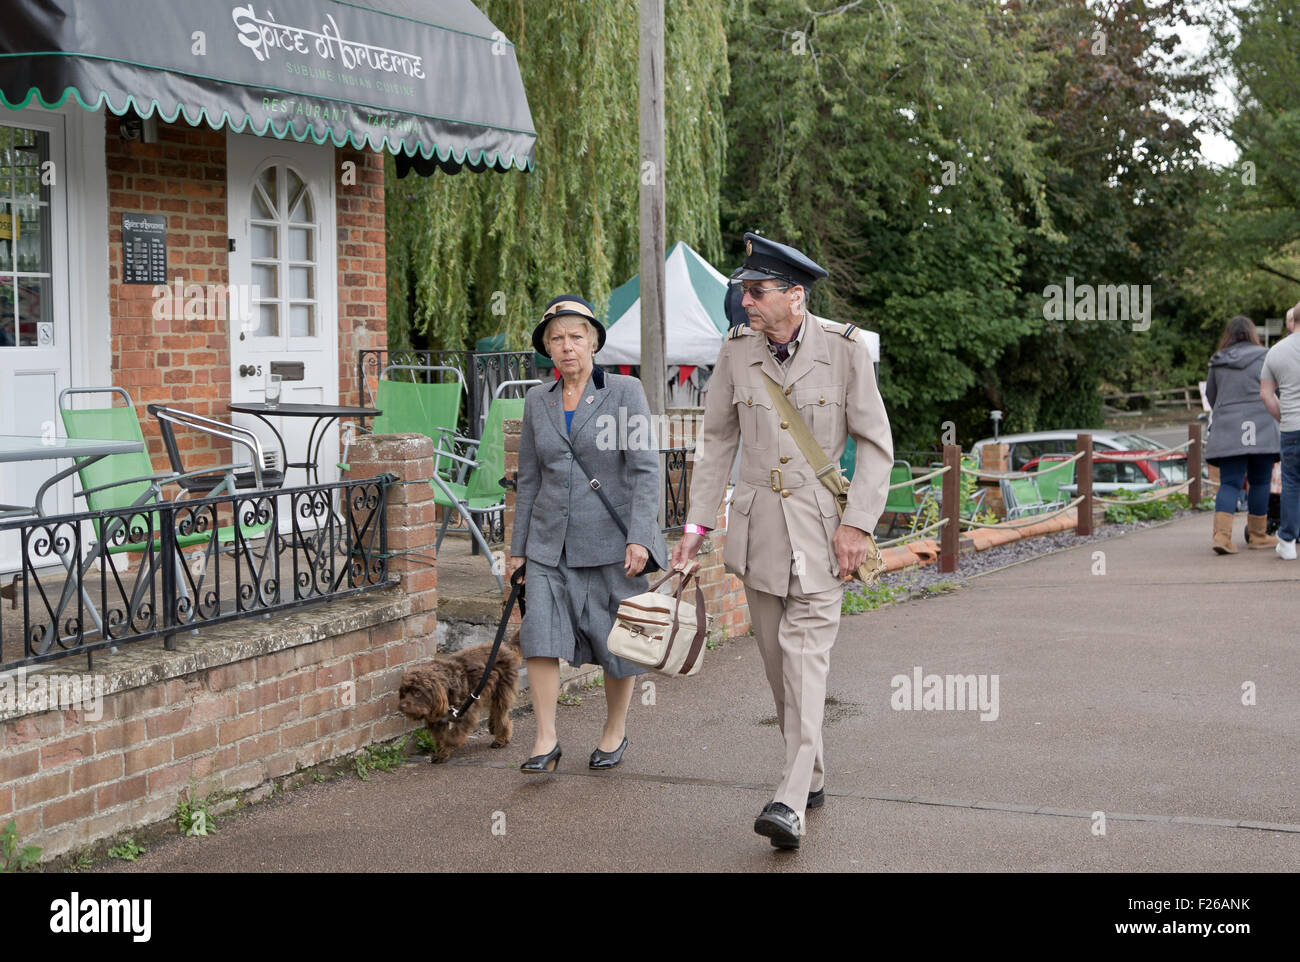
[697, 529]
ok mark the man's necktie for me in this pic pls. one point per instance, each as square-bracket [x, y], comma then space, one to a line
[782, 352]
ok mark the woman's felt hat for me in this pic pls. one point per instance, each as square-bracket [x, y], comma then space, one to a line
[566, 305]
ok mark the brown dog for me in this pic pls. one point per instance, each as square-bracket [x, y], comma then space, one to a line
[430, 691]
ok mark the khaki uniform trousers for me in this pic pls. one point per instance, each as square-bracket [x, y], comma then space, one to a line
[795, 634]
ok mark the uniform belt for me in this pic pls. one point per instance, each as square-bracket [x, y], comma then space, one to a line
[778, 478]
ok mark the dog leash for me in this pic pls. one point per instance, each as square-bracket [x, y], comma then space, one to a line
[516, 593]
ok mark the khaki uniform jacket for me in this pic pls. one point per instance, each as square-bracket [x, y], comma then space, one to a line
[831, 381]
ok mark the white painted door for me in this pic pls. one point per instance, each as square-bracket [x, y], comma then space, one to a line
[280, 199]
[35, 333]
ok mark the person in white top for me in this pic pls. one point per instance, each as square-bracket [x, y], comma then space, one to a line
[1279, 389]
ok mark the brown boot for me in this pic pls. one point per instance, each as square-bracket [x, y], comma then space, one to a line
[1223, 533]
[1257, 527]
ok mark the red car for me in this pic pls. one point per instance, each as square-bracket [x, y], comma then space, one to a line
[1113, 471]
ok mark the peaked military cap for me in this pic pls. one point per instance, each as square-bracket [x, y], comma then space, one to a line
[767, 259]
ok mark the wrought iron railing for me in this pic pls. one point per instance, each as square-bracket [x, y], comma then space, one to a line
[483, 372]
[102, 579]
[677, 485]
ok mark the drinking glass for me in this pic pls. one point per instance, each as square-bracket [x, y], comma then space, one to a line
[273, 390]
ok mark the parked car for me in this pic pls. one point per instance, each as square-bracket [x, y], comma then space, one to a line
[1025, 447]
[1109, 474]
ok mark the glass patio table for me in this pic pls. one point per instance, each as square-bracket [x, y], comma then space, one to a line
[332, 532]
[23, 448]
[85, 451]
[325, 415]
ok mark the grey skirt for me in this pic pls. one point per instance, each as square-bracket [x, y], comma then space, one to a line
[571, 612]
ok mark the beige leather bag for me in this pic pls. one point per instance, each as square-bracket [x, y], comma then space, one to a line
[661, 632]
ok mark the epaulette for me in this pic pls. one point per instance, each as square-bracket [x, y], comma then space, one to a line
[740, 330]
[847, 331]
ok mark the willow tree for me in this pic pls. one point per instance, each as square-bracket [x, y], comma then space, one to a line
[477, 254]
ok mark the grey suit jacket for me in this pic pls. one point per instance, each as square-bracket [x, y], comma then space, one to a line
[555, 508]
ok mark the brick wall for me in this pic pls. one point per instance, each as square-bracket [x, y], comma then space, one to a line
[186, 360]
[724, 593]
[72, 779]
[412, 534]
[996, 459]
[170, 359]
[235, 705]
[363, 311]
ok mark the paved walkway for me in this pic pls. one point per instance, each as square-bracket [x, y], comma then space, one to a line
[1118, 692]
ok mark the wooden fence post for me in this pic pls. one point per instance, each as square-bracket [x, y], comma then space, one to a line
[1194, 463]
[950, 532]
[1083, 472]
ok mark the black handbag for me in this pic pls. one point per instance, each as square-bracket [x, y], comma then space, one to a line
[651, 566]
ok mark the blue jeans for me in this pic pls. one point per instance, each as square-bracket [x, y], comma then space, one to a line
[1290, 486]
[1255, 468]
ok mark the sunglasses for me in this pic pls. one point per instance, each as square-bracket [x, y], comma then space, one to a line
[757, 292]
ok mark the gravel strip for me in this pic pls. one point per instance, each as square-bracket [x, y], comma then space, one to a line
[982, 562]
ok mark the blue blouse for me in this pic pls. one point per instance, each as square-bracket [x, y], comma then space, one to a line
[568, 420]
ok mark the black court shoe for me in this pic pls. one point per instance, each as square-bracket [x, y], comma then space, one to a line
[543, 763]
[601, 759]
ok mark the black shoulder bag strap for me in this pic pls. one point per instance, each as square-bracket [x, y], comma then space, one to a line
[651, 566]
[516, 593]
[594, 484]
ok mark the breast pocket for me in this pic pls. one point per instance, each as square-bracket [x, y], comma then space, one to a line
[757, 419]
[822, 408]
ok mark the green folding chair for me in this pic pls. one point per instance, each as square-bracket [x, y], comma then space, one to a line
[1051, 476]
[901, 502]
[427, 407]
[127, 481]
[1022, 497]
[482, 492]
[849, 459]
[975, 502]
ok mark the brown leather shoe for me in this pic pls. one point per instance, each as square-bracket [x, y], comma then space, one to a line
[1257, 527]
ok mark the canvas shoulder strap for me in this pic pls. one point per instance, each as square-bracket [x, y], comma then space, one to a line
[821, 464]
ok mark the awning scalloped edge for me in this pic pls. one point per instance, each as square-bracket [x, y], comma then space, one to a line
[368, 142]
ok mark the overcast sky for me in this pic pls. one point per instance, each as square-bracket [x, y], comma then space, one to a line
[1214, 148]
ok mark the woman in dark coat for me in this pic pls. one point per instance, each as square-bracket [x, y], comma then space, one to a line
[580, 565]
[1244, 441]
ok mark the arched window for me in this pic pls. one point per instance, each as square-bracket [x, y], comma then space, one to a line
[285, 235]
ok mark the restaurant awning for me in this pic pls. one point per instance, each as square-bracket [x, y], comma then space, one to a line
[435, 83]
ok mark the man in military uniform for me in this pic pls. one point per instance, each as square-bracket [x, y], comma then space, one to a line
[785, 539]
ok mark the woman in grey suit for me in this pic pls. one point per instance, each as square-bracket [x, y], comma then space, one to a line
[580, 566]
